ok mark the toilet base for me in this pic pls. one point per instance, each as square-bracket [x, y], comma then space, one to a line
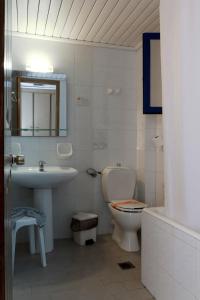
[127, 241]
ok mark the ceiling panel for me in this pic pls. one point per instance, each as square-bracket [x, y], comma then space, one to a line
[93, 16]
[111, 22]
[150, 23]
[32, 16]
[14, 15]
[80, 21]
[131, 20]
[119, 21]
[22, 9]
[64, 12]
[116, 12]
[73, 15]
[145, 18]
[53, 13]
[43, 11]
[102, 17]
[154, 27]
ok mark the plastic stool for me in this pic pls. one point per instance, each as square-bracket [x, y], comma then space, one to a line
[31, 222]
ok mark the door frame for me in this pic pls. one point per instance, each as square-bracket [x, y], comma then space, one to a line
[2, 234]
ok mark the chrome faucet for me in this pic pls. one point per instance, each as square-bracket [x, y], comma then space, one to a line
[41, 165]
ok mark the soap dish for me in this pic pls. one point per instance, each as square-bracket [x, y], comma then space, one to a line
[64, 150]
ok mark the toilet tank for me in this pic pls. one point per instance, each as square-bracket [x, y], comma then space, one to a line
[118, 183]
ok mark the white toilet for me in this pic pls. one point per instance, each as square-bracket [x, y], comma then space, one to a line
[118, 186]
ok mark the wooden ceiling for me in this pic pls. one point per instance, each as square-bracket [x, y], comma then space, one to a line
[111, 22]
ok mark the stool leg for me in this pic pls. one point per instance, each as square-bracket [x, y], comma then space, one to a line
[14, 232]
[42, 247]
[31, 239]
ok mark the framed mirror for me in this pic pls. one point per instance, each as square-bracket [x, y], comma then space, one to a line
[152, 85]
[39, 104]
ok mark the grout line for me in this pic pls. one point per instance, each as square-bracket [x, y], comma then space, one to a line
[126, 17]
[77, 17]
[66, 18]
[27, 15]
[137, 17]
[47, 16]
[115, 19]
[84, 39]
[86, 18]
[57, 17]
[152, 13]
[17, 15]
[37, 16]
[105, 20]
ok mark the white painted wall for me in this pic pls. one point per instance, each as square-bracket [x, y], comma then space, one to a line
[180, 48]
[149, 158]
[109, 120]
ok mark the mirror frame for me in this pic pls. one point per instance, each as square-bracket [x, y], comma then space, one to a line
[20, 79]
[63, 129]
[147, 108]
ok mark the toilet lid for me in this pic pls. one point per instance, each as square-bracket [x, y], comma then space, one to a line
[129, 205]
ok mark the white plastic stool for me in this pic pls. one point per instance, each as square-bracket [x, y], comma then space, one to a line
[31, 222]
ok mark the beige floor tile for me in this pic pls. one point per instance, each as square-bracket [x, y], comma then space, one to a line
[23, 293]
[40, 296]
[66, 295]
[138, 294]
[131, 285]
[79, 273]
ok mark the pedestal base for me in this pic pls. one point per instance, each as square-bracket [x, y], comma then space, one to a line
[43, 202]
[129, 242]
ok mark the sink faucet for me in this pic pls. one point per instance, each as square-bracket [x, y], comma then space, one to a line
[41, 165]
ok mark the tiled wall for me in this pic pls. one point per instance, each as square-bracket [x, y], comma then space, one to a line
[170, 260]
[104, 132]
[149, 158]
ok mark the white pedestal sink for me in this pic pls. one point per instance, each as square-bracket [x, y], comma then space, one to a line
[42, 184]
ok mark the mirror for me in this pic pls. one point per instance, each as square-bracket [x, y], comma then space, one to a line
[152, 85]
[39, 104]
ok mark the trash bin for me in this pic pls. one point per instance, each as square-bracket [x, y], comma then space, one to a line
[83, 226]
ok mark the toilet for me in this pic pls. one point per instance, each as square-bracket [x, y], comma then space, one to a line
[118, 184]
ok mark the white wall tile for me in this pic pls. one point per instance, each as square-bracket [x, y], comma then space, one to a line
[99, 76]
[101, 159]
[53, 52]
[124, 139]
[83, 65]
[104, 57]
[83, 137]
[100, 118]
[150, 160]
[108, 119]
[99, 97]
[125, 157]
[121, 119]
[83, 118]
[83, 159]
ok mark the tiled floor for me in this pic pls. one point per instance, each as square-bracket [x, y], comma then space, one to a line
[79, 273]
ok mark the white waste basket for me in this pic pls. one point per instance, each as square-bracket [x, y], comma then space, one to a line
[84, 226]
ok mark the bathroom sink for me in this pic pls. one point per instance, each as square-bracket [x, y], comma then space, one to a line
[51, 177]
[42, 184]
